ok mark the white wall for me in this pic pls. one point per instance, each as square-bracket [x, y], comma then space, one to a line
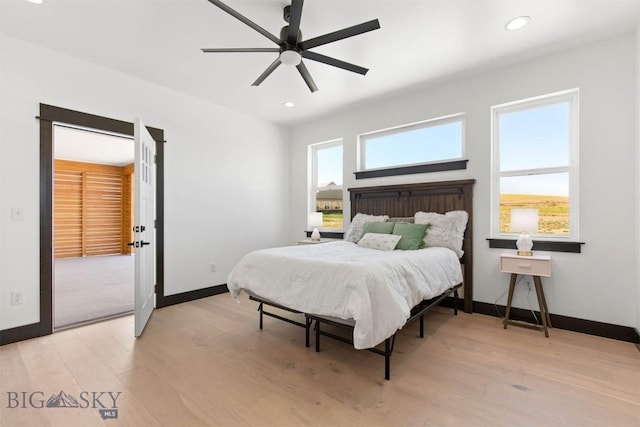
[637, 193]
[593, 285]
[221, 168]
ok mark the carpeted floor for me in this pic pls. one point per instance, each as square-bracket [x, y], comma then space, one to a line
[91, 288]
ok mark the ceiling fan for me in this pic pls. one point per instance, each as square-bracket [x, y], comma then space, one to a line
[291, 48]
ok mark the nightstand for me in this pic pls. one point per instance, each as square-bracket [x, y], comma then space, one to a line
[308, 241]
[534, 266]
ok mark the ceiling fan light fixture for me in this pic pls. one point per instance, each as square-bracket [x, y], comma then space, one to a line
[517, 23]
[290, 57]
[290, 45]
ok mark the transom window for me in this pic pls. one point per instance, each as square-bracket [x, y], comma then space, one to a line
[430, 141]
[326, 184]
[535, 164]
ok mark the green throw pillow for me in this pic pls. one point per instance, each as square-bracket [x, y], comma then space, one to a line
[378, 227]
[412, 235]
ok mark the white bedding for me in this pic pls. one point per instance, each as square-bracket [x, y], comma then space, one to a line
[374, 288]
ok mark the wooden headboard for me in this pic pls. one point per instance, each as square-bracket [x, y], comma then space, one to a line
[406, 199]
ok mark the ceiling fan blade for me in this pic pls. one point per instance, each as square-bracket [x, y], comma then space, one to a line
[294, 21]
[241, 49]
[275, 64]
[307, 77]
[340, 34]
[334, 62]
[246, 21]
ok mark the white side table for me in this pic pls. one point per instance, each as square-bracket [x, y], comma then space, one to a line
[535, 266]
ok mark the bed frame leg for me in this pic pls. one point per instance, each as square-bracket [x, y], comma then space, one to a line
[261, 309]
[317, 336]
[455, 302]
[421, 326]
[308, 321]
[387, 359]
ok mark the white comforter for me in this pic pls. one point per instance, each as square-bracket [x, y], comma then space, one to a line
[374, 288]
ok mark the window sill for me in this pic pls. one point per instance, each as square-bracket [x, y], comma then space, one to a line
[408, 170]
[328, 234]
[539, 245]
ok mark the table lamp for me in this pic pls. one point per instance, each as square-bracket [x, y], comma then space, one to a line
[525, 222]
[315, 221]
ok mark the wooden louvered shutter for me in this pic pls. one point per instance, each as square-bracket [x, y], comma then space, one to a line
[103, 213]
[92, 209]
[68, 213]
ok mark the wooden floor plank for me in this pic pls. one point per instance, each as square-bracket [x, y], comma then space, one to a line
[206, 363]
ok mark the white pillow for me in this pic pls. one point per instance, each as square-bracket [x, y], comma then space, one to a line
[446, 230]
[382, 242]
[354, 233]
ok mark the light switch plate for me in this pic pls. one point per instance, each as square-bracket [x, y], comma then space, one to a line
[17, 214]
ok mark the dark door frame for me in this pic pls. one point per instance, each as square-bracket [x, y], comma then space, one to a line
[48, 115]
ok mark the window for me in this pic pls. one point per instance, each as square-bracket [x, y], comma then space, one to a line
[431, 141]
[326, 183]
[535, 164]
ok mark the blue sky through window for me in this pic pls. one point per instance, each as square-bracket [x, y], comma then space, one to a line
[330, 165]
[552, 184]
[427, 144]
[535, 138]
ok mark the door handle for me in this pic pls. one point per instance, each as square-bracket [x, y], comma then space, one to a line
[138, 244]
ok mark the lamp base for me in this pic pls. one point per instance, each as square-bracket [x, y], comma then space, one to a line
[524, 245]
[315, 235]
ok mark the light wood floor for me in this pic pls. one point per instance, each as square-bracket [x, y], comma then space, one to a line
[207, 363]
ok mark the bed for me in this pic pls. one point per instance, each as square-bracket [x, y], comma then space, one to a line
[373, 293]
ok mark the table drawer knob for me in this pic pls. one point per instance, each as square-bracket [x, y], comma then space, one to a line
[524, 265]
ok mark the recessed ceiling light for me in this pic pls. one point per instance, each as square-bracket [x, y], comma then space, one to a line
[36, 1]
[289, 104]
[517, 23]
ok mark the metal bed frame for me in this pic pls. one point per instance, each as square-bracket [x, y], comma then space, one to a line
[417, 312]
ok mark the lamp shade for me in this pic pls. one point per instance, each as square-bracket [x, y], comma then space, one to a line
[524, 221]
[315, 219]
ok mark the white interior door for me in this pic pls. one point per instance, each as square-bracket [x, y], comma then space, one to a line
[144, 229]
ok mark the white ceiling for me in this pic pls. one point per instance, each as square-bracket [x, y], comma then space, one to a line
[92, 147]
[420, 41]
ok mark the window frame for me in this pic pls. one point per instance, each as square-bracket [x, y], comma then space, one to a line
[458, 162]
[572, 96]
[313, 179]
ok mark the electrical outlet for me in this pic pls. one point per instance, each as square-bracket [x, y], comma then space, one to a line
[528, 283]
[212, 268]
[16, 298]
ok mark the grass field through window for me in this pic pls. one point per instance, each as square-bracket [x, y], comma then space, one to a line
[332, 220]
[553, 212]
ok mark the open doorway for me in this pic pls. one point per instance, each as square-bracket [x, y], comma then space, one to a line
[50, 115]
[93, 220]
